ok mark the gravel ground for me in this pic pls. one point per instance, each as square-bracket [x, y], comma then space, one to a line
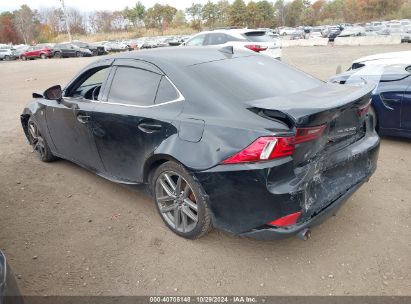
[67, 231]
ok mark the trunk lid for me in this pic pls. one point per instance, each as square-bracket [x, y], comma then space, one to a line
[334, 106]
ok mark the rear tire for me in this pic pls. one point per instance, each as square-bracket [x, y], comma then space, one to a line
[57, 55]
[38, 142]
[181, 201]
[7, 57]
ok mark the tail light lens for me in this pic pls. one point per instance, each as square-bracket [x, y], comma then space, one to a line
[256, 48]
[288, 220]
[307, 134]
[264, 148]
[363, 110]
[272, 147]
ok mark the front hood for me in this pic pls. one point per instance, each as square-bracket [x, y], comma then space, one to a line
[316, 106]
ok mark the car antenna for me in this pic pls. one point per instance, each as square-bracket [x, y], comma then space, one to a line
[227, 49]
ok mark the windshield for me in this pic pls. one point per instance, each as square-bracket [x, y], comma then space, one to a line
[250, 78]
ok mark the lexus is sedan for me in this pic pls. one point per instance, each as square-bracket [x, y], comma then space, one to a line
[223, 138]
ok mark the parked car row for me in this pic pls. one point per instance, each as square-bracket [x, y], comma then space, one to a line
[400, 28]
[58, 50]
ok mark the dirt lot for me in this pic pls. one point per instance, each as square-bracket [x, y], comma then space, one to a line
[69, 232]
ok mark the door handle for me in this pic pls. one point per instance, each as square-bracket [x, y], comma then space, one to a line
[149, 128]
[83, 118]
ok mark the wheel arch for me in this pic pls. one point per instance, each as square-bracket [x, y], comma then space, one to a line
[153, 162]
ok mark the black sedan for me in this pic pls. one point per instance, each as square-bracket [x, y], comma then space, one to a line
[224, 139]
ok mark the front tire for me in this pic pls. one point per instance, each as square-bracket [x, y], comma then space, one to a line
[181, 201]
[79, 54]
[58, 55]
[43, 56]
[7, 58]
[38, 142]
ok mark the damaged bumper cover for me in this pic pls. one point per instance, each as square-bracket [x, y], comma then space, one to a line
[273, 233]
[244, 198]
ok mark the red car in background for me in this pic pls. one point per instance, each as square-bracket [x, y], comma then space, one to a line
[42, 51]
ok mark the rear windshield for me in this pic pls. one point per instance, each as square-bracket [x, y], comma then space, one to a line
[258, 37]
[250, 78]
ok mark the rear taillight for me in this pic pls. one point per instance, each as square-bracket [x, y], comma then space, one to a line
[264, 148]
[272, 147]
[256, 48]
[288, 220]
[363, 110]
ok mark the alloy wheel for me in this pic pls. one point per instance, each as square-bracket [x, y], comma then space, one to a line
[36, 139]
[176, 201]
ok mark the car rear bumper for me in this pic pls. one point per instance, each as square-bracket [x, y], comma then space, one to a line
[243, 198]
[275, 233]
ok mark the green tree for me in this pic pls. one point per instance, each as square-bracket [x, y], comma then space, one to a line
[252, 14]
[179, 19]
[195, 14]
[159, 16]
[280, 12]
[223, 8]
[136, 14]
[237, 13]
[265, 14]
[26, 22]
[209, 14]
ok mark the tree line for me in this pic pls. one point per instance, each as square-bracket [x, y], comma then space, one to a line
[27, 25]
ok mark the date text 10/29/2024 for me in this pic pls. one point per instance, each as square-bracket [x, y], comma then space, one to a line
[204, 299]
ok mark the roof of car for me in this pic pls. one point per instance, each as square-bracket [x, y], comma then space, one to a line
[181, 56]
[391, 55]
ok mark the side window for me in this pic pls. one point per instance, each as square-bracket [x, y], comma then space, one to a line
[90, 87]
[134, 86]
[166, 91]
[197, 40]
[215, 39]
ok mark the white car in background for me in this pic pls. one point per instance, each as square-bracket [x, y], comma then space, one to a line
[284, 31]
[252, 40]
[383, 59]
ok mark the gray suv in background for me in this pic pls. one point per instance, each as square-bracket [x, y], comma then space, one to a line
[7, 54]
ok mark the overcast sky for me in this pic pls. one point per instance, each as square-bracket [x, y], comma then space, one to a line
[90, 5]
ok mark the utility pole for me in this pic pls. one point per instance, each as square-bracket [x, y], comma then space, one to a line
[66, 19]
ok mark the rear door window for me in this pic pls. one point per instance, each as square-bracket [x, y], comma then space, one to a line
[166, 91]
[134, 86]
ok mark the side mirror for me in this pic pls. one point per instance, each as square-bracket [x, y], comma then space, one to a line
[54, 93]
